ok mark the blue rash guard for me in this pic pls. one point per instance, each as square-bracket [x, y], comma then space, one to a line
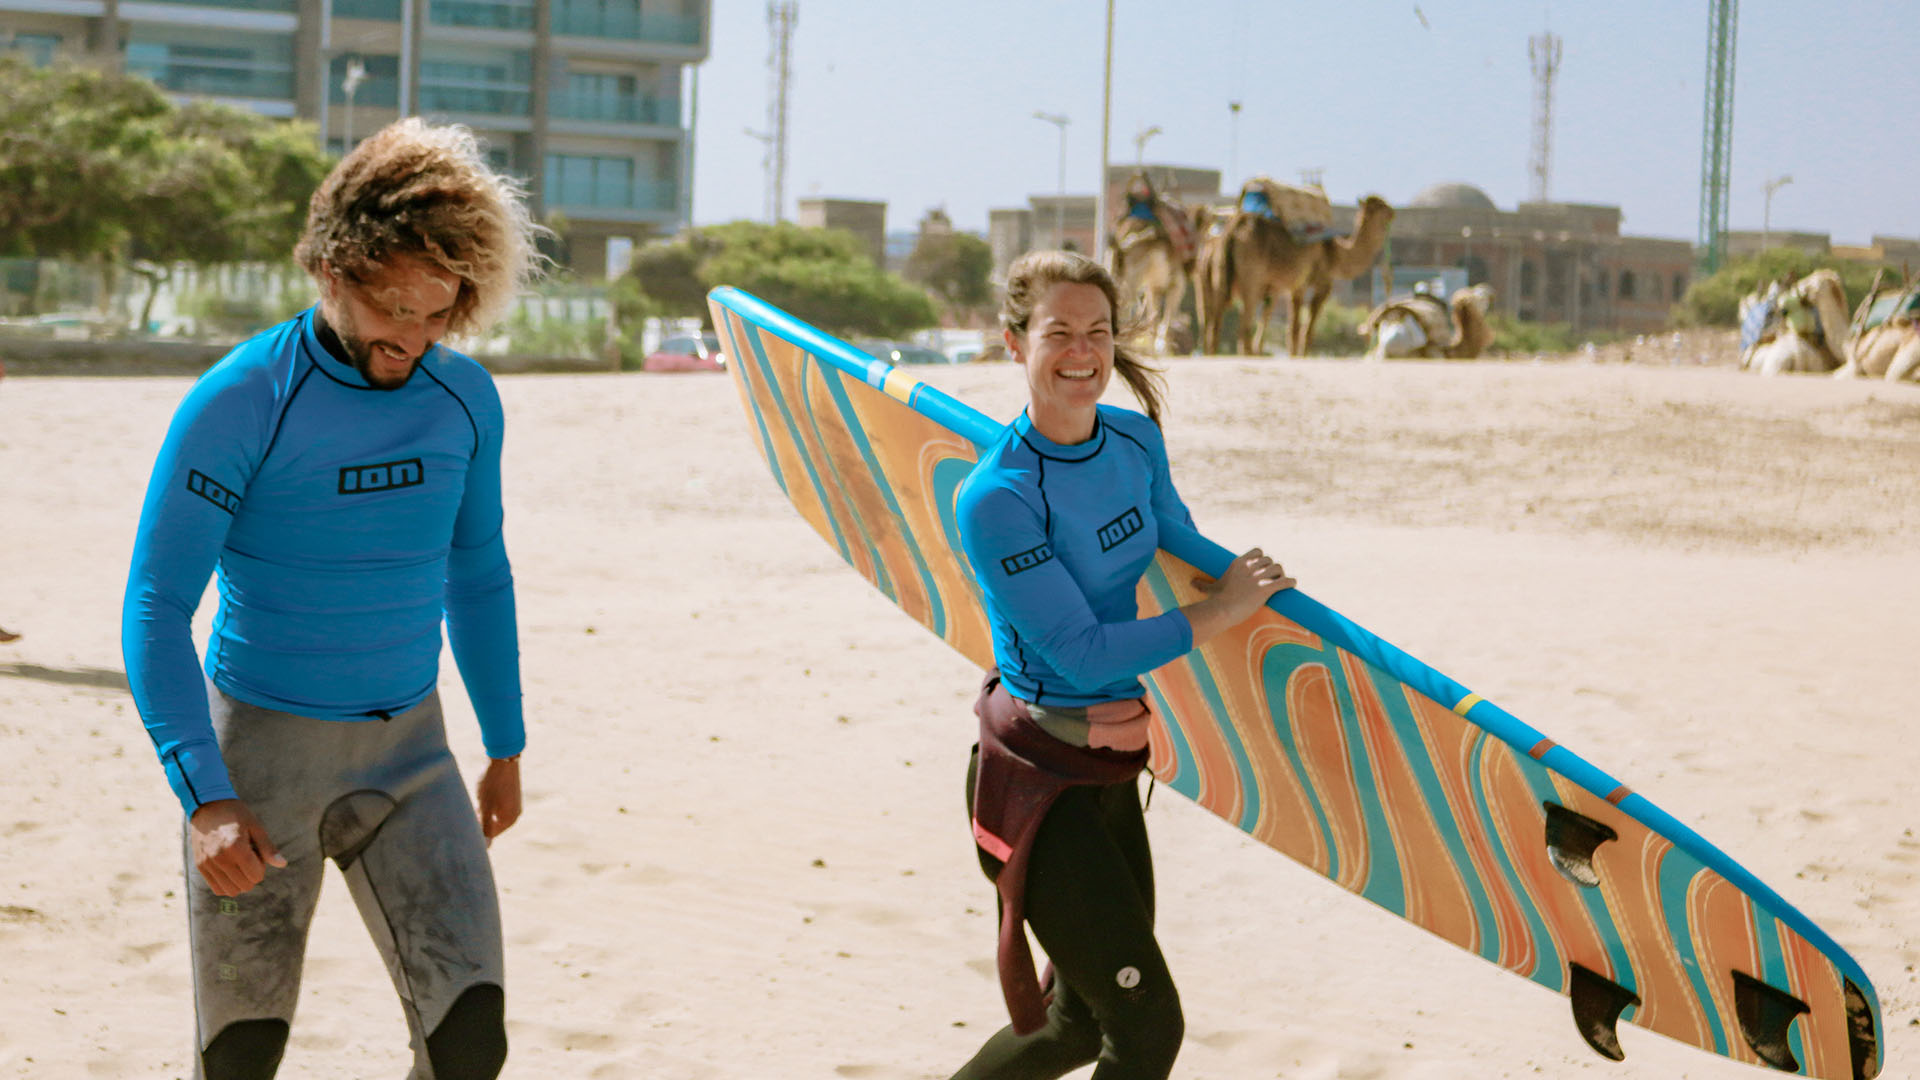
[342, 520]
[1058, 537]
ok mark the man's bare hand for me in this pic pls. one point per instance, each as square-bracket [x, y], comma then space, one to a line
[499, 796]
[231, 847]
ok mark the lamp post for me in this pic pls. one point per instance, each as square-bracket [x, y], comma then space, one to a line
[1106, 132]
[1140, 143]
[1766, 212]
[1060, 205]
[356, 74]
[1233, 141]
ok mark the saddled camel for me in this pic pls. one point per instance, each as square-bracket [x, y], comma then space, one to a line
[1420, 325]
[1340, 260]
[1153, 253]
[1256, 257]
[1801, 328]
[1890, 349]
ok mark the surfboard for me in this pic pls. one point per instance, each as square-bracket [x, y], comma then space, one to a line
[1321, 740]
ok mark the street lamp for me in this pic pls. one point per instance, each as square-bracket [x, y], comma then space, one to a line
[1233, 141]
[356, 74]
[1059, 207]
[1140, 143]
[1766, 213]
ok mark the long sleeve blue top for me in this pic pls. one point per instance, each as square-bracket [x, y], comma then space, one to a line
[1058, 537]
[341, 520]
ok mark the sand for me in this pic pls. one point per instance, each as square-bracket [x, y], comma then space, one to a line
[744, 852]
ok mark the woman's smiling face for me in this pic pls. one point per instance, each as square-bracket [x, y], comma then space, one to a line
[1067, 351]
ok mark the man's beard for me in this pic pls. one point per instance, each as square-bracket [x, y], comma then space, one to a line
[361, 353]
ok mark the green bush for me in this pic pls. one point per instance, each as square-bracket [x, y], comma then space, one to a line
[552, 337]
[220, 313]
[1715, 300]
[1338, 331]
[1518, 337]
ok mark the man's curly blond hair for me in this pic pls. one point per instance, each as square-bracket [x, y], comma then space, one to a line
[425, 191]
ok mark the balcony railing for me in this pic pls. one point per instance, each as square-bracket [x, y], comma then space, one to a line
[213, 78]
[240, 5]
[385, 10]
[586, 18]
[496, 16]
[614, 108]
[660, 195]
[375, 90]
[471, 99]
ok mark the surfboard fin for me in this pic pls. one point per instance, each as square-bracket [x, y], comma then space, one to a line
[1865, 1042]
[1766, 1013]
[1597, 1004]
[1571, 840]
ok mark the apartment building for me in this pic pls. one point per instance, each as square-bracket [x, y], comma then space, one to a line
[581, 98]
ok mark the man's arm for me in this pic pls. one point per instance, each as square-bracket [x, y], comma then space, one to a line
[481, 622]
[199, 479]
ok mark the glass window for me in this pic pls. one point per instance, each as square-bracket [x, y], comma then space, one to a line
[584, 180]
[495, 81]
[1627, 285]
[384, 10]
[379, 86]
[224, 63]
[494, 14]
[38, 49]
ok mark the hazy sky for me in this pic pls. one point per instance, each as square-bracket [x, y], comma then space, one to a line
[923, 103]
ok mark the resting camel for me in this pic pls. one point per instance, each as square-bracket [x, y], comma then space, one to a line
[1420, 325]
[1798, 328]
[1890, 348]
[1153, 253]
[1256, 257]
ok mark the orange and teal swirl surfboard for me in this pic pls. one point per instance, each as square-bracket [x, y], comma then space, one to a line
[1339, 750]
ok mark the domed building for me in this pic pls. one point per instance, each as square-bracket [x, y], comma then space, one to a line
[1451, 196]
[1547, 262]
[1554, 262]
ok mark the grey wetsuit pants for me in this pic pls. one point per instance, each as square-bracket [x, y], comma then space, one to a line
[384, 800]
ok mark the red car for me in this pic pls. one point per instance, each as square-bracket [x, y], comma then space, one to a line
[687, 354]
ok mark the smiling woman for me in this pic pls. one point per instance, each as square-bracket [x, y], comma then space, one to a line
[1059, 519]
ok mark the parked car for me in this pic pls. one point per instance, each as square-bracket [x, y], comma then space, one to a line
[899, 352]
[687, 354]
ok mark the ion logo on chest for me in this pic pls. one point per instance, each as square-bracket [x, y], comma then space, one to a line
[1115, 532]
[386, 476]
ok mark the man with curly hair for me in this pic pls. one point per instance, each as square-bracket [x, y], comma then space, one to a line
[341, 472]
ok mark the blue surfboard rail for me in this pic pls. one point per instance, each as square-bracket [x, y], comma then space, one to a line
[1294, 604]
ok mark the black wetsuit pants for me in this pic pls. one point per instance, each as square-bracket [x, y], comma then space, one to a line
[1090, 903]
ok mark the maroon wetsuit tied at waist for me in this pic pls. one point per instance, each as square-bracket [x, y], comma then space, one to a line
[1022, 770]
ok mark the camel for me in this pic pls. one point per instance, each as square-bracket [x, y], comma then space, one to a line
[1888, 343]
[1152, 257]
[1797, 328]
[1420, 325]
[1341, 260]
[1257, 256]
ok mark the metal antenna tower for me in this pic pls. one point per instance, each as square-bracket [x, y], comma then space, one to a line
[781, 16]
[1716, 139]
[1544, 52]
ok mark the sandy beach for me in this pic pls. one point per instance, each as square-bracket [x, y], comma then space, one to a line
[744, 852]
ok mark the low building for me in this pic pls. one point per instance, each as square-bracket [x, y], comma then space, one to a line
[1067, 221]
[864, 218]
[1548, 262]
